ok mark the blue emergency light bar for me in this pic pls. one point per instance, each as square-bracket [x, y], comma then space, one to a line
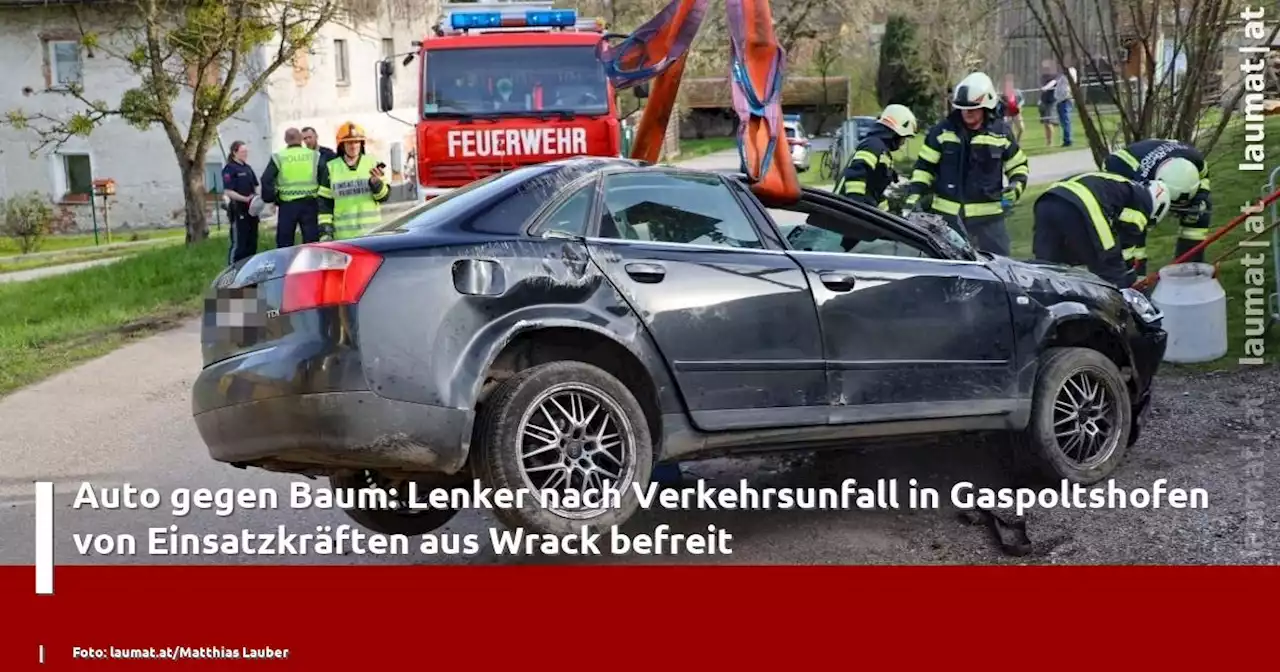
[555, 18]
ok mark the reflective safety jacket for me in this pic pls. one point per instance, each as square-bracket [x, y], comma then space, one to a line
[348, 202]
[1139, 162]
[1116, 206]
[297, 173]
[965, 170]
[870, 172]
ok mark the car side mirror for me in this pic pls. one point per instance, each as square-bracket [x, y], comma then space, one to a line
[386, 94]
[641, 91]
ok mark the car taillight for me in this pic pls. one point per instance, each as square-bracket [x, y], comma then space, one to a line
[327, 274]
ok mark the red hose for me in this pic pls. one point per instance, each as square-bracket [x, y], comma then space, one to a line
[1151, 279]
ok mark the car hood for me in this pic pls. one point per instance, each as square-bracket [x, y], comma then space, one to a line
[1054, 281]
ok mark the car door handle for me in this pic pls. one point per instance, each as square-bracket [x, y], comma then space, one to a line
[646, 272]
[838, 282]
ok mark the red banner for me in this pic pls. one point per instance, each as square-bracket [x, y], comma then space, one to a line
[578, 617]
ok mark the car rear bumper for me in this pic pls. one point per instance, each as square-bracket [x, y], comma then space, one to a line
[318, 433]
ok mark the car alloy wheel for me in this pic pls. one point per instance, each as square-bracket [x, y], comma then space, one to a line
[575, 437]
[1085, 421]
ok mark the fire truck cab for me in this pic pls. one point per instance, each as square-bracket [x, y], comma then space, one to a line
[507, 84]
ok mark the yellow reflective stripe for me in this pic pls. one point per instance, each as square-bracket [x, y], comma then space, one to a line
[928, 154]
[945, 206]
[867, 156]
[922, 176]
[1020, 170]
[1193, 233]
[1104, 175]
[1204, 184]
[1100, 225]
[1132, 253]
[1124, 155]
[912, 199]
[383, 191]
[992, 140]
[983, 209]
[324, 192]
[948, 136]
[857, 187]
[1019, 159]
[326, 219]
[1134, 217]
[883, 205]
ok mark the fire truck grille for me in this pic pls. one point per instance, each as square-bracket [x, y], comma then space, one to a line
[458, 174]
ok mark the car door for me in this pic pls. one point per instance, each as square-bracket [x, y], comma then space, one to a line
[907, 334]
[731, 313]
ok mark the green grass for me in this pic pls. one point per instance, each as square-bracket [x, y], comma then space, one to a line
[23, 263]
[1231, 190]
[52, 324]
[9, 247]
[692, 149]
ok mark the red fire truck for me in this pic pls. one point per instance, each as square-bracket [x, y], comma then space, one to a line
[507, 84]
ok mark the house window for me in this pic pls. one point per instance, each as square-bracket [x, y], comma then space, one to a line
[65, 66]
[342, 67]
[77, 177]
[213, 177]
[389, 51]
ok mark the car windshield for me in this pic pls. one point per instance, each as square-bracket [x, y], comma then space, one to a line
[791, 132]
[513, 81]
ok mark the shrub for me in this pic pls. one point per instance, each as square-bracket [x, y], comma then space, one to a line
[28, 219]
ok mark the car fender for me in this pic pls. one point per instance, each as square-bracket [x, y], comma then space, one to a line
[626, 331]
[1069, 312]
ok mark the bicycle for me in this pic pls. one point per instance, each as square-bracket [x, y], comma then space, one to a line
[832, 162]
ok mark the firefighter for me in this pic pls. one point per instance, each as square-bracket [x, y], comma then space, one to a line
[1183, 170]
[291, 181]
[964, 163]
[351, 187]
[870, 172]
[1099, 220]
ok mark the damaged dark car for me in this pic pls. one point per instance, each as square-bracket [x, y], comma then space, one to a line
[567, 326]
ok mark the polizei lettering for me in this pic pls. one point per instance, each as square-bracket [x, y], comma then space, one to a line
[485, 142]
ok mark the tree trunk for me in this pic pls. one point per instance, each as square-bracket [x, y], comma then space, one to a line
[193, 192]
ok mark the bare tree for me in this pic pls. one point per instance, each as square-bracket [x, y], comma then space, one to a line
[1155, 94]
[956, 37]
[214, 56]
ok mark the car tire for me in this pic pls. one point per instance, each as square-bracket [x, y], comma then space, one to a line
[501, 460]
[400, 520]
[1073, 378]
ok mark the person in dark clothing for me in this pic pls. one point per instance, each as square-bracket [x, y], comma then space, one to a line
[870, 172]
[1099, 220]
[1183, 169]
[240, 184]
[312, 141]
[291, 181]
[964, 163]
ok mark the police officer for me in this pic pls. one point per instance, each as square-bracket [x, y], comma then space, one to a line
[870, 172]
[963, 165]
[1099, 220]
[240, 186]
[291, 181]
[312, 140]
[351, 187]
[1183, 170]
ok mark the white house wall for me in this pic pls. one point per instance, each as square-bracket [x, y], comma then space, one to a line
[148, 182]
[309, 94]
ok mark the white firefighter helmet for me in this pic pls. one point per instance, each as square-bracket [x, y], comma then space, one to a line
[1181, 177]
[1160, 199]
[975, 92]
[256, 205]
[899, 119]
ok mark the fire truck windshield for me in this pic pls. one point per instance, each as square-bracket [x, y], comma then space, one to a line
[513, 81]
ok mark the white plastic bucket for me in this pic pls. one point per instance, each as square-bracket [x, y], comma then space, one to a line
[1195, 313]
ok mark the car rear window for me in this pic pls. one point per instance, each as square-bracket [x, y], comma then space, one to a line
[500, 203]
